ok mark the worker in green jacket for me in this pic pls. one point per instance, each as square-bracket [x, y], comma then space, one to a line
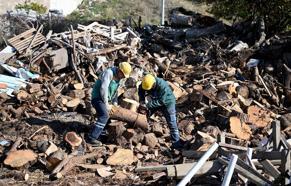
[104, 94]
[162, 99]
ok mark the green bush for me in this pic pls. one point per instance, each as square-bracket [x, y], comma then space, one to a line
[41, 9]
[276, 13]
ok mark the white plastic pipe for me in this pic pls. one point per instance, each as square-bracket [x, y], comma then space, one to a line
[230, 169]
[198, 165]
[162, 12]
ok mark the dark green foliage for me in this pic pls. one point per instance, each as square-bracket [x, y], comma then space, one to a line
[276, 13]
[32, 6]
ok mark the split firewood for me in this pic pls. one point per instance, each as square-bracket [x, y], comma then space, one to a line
[121, 157]
[130, 104]
[116, 129]
[259, 117]
[70, 162]
[239, 128]
[19, 158]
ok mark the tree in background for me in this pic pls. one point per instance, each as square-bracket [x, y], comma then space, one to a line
[274, 14]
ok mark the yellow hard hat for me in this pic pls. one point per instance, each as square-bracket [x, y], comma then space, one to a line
[148, 82]
[125, 68]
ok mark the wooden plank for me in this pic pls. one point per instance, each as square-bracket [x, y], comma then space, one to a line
[28, 32]
[286, 163]
[276, 134]
[253, 171]
[244, 172]
[236, 147]
[180, 170]
[273, 155]
[270, 168]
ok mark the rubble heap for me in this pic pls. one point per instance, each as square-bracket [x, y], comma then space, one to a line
[233, 105]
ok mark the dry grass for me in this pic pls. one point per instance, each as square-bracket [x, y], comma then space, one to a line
[149, 10]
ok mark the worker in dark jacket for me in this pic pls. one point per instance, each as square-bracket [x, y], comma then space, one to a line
[163, 99]
[104, 94]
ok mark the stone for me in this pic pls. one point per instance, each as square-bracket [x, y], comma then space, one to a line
[121, 157]
[151, 140]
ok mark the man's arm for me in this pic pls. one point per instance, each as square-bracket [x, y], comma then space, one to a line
[105, 81]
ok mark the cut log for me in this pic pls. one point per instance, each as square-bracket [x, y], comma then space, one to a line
[19, 158]
[78, 86]
[259, 117]
[121, 157]
[133, 118]
[77, 94]
[239, 128]
[73, 139]
[54, 159]
[72, 105]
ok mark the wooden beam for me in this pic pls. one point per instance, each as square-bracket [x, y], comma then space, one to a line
[286, 164]
[276, 134]
[245, 172]
[270, 168]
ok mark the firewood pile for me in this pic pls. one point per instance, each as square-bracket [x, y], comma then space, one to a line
[233, 105]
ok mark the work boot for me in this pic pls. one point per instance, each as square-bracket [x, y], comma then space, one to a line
[93, 142]
[179, 145]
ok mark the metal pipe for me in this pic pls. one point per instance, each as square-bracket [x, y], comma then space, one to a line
[230, 169]
[162, 12]
[198, 165]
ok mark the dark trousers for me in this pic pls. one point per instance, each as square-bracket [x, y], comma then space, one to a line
[102, 119]
[170, 114]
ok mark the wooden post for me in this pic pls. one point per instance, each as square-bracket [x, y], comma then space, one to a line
[276, 134]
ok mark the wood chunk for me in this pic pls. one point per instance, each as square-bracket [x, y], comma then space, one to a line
[78, 86]
[177, 91]
[239, 128]
[119, 175]
[116, 129]
[130, 104]
[73, 139]
[54, 159]
[129, 133]
[19, 158]
[72, 105]
[259, 117]
[121, 157]
[243, 91]
[137, 138]
[51, 149]
[22, 95]
[151, 140]
[77, 94]
[104, 171]
[33, 88]
[157, 129]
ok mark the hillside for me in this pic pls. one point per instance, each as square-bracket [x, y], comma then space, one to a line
[149, 10]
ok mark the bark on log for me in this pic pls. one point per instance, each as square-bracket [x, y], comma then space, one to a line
[125, 115]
